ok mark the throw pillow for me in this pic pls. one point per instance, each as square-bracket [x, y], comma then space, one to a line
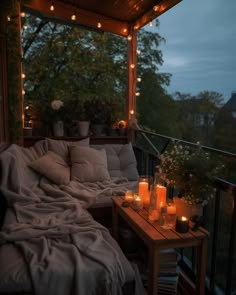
[52, 166]
[61, 147]
[88, 164]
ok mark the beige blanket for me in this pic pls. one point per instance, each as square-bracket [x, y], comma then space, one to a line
[67, 252]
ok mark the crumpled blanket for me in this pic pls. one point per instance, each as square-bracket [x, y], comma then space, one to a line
[67, 252]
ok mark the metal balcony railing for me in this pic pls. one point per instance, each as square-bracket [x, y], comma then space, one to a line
[220, 216]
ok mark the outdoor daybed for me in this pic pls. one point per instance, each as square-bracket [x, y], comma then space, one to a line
[49, 242]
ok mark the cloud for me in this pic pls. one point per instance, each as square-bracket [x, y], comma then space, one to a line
[200, 46]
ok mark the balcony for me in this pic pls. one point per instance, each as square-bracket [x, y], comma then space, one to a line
[219, 217]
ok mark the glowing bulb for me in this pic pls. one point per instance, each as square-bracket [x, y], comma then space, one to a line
[73, 17]
[99, 25]
[52, 8]
[155, 8]
[125, 30]
[23, 92]
[27, 107]
[22, 14]
[132, 66]
[139, 79]
[25, 27]
[150, 24]
[138, 51]
[135, 27]
[23, 76]
[131, 112]
[8, 18]
[137, 93]
[129, 37]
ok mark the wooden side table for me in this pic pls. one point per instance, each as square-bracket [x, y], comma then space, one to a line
[157, 238]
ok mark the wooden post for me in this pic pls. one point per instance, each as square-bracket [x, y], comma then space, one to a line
[132, 68]
[4, 135]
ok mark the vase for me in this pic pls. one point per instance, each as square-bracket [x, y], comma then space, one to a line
[58, 128]
[187, 210]
[84, 128]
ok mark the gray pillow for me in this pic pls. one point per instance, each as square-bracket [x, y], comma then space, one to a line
[52, 166]
[61, 147]
[88, 164]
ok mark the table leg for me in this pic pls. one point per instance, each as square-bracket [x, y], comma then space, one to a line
[154, 269]
[201, 268]
[114, 222]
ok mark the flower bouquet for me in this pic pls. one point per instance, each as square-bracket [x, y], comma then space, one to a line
[191, 172]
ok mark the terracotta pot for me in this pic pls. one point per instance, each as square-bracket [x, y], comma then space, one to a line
[187, 210]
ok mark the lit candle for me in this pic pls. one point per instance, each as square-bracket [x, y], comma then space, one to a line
[171, 209]
[153, 215]
[182, 224]
[161, 195]
[129, 196]
[143, 191]
[137, 203]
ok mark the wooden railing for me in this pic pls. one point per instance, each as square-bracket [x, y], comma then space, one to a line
[220, 216]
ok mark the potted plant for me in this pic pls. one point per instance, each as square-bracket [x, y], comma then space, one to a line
[191, 172]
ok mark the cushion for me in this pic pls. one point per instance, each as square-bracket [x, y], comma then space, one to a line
[52, 166]
[61, 146]
[88, 164]
[121, 160]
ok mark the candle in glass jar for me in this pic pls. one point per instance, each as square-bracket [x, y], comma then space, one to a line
[182, 224]
[171, 209]
[137, 203]
[129, 196]
[161, 195]
[143, 191]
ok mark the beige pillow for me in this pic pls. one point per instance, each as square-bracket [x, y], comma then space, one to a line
[61, 147]
[88, 164]
[52, 166]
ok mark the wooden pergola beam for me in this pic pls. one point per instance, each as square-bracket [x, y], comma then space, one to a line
[83, 17]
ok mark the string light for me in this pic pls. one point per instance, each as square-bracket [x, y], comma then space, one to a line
[23, 92]
[132, 66]
[139, 79]
[23, 76]
[135, 27]
[52, 7]
[156, 8]
[150, 24]
[125, 30]
[27, 107]
[22, 14]
[99, 25]
[129, 37]
[73, 17]
[137, 93]
[8, 18]
[25, 27]
[138, 51]
[131, 112]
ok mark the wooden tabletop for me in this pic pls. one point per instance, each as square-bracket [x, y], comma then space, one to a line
[153, 231]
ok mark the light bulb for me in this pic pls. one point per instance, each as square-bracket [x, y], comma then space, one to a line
[99, 25]
[129, 37]
[52, 8]
[23, 92]
[8, 18]
[150, 24]
[155, 8]
[73, 17]
[137, 93]
[27, 107]
[132, 66]
[23, 76]
[139, 79]
[131, 112]
[138, 51]
[125, 30]
[22, 14]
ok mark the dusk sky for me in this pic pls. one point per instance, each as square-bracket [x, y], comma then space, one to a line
[200, 48]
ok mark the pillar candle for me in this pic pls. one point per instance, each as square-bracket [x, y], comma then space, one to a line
[143, 192]
[161, 195]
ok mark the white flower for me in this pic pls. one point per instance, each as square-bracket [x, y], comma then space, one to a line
[56, 104]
